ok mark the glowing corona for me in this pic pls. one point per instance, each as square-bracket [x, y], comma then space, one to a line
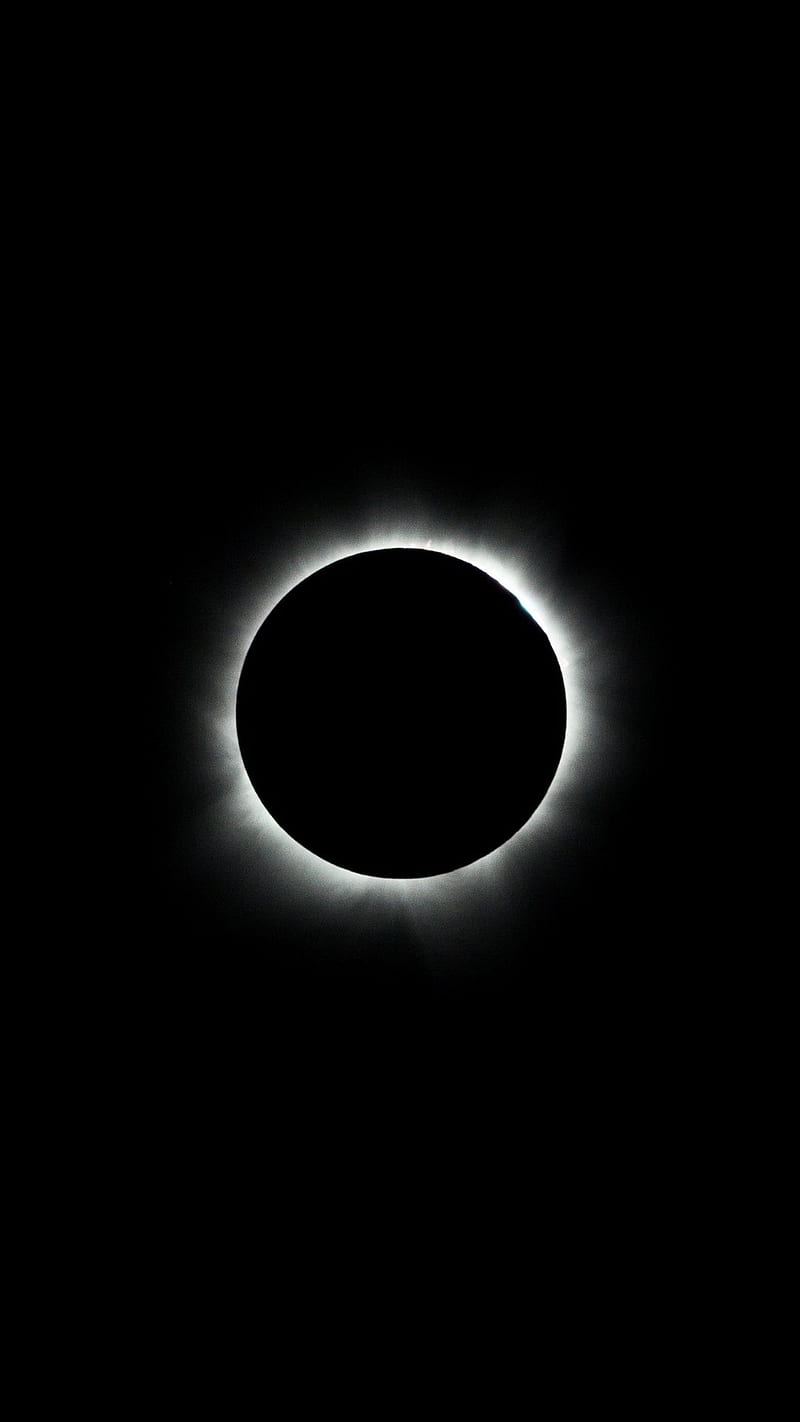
[443, 908]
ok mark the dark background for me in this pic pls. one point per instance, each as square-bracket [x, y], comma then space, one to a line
[286, 311]
[493, 269]
[518, 344]
[503, 299]
[569, 1054]
[501, 418]
[506, 314]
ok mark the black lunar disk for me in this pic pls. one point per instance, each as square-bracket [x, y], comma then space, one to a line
[400, 714]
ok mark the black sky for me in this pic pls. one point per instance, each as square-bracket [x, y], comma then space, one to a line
[494, 307]
[517, 355]
[586, 452]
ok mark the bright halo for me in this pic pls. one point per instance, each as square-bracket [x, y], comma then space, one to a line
[447, 912]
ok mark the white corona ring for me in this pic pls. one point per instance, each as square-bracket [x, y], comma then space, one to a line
[462, 911]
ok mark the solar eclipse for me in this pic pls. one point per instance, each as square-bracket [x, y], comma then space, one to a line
[412, 662]
[247, 868]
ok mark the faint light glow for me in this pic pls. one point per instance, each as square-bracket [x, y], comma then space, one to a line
[239, 837]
